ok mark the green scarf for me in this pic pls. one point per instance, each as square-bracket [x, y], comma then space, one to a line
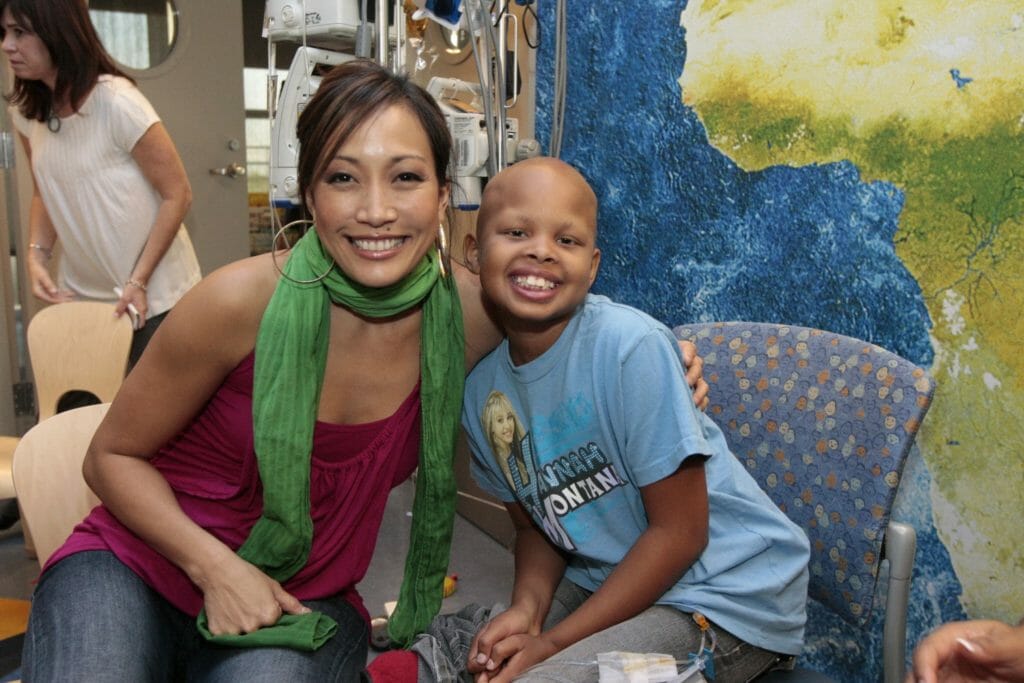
[291, 354]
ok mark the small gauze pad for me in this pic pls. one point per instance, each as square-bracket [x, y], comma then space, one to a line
[631, 667]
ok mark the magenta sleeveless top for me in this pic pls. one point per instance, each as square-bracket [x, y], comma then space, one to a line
[211, 466]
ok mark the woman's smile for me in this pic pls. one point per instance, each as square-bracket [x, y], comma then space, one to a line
[379, 247]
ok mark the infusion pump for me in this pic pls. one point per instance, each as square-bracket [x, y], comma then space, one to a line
[316, 20]
[471, 151]
[300, 85]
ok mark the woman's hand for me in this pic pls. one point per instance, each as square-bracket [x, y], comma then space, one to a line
[242, 599]
[133, 298]
[694, 365]
[970, 652]
[41, 239]
[43, 287]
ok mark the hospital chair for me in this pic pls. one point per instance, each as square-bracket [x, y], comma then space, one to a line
[77, 346]
[48, 476]
[824, 423]
[7, 446]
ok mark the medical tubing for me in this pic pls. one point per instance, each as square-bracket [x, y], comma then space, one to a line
[498, 93]
[271, 113]
[364, 33]
[560, 79]
[537, 670]
[484, 77]
[529, 11]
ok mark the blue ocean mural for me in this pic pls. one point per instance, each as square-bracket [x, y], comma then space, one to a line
[813, 221]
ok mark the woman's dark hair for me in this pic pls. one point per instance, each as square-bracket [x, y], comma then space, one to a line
[67, 32]
[350, 94]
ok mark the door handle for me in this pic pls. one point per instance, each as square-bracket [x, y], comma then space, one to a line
[232, 170]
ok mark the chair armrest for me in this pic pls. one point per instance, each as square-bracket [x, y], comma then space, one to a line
[900, 549]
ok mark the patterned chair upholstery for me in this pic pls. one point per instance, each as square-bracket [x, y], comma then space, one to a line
[824, 423]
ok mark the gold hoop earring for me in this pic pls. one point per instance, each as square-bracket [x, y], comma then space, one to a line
[443, 257]
[273, 254]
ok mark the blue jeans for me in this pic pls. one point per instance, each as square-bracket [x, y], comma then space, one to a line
[93, 619]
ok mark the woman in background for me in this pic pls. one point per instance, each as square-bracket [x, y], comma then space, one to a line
[109, 184]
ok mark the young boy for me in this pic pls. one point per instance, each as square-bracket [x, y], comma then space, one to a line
[633, 518]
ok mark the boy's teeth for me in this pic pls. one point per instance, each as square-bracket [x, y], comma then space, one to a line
[378, 245]
[534, 282]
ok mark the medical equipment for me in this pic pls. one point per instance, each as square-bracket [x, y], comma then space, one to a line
[361, 27]
[622, 667]
[485, 139]
[447, 13]
[323, 23]
[497, 71]
[470, 141]
[300, 84]
[561, 78]
[632, 667]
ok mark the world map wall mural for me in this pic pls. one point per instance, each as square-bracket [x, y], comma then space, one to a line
[852, 166]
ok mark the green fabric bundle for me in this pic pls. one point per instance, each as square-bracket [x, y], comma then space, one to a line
[291, 354]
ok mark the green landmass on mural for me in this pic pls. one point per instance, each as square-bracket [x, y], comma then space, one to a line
[953, 142]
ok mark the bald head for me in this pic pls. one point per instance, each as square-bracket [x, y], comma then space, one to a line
[527, 180]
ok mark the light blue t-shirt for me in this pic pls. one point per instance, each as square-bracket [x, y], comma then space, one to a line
[603, 412]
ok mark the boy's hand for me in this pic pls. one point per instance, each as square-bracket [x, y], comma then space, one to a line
[482, 655]
[694, 365]
[518, 653]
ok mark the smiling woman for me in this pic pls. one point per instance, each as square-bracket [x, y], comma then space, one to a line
[254, 498]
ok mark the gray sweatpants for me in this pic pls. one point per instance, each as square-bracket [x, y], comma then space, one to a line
[444, 648]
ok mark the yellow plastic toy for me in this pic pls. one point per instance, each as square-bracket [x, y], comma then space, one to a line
[450, 582]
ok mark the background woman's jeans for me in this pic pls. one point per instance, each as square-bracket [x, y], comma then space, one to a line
[93, 619]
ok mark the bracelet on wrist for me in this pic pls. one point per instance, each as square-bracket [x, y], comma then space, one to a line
[48, 251]
[132, 282]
